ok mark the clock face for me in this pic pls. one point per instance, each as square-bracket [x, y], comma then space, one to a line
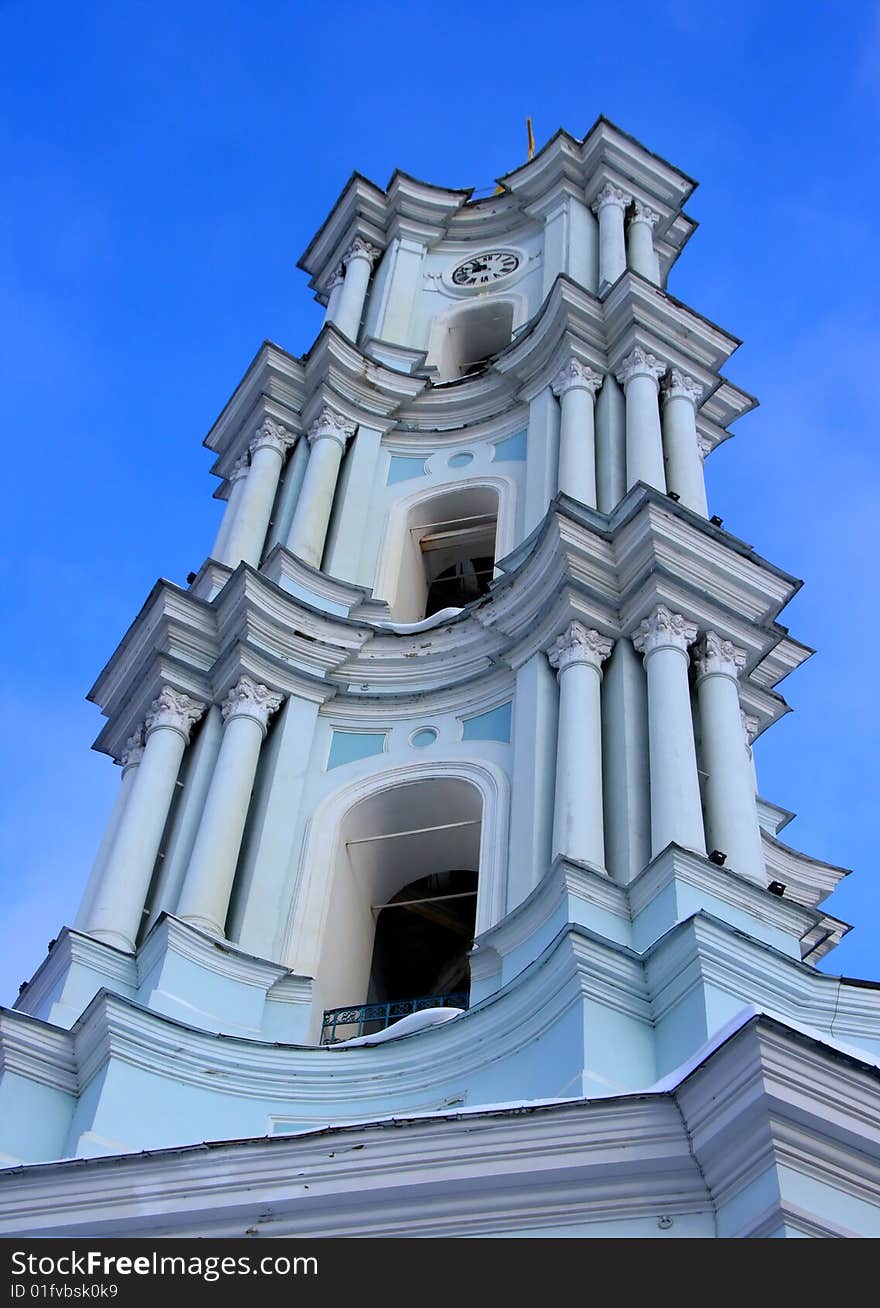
[485, 268]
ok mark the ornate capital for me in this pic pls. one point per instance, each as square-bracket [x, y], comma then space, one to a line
[272, 436]
[611, 194]
[331, 424]
[336, 280]
[576, 376]
[239, 469]
[361, 249]
[750, 726]
[679, 386]
[703, 446]
[579, 644]
[640, 364]
[664, 630]
[717, 655]
[642, 214]
[133, 750]
[249, 699]
[173, 709]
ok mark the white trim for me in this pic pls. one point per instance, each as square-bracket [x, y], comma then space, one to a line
[307, 922]
[388, 568]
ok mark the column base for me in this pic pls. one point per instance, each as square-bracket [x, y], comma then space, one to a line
[204, 924]
[114, 938]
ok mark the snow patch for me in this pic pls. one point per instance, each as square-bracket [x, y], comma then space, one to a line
[406, 1026]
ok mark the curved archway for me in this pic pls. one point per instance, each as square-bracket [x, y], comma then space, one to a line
[464, 338]
[463, 526]
[369, 842]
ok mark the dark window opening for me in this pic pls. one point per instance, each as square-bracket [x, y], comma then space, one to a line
[461, 584]
[423, 937]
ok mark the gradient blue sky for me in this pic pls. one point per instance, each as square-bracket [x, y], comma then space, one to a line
[164, 165]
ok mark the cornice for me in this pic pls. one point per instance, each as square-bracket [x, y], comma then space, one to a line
[37, 1051]
[607, 572]
[75, 948]
[807, 880]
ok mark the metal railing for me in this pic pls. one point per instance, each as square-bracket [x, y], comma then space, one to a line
[367, 1019]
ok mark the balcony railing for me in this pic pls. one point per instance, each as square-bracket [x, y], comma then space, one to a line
[367, 1019]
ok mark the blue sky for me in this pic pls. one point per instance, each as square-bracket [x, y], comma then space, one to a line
[166, 164]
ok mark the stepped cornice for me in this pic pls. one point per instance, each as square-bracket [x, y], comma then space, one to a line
[565, 166]
[605, 571]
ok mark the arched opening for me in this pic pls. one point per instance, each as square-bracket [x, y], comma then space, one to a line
[402, 903]
[464, 341]
[447, 558]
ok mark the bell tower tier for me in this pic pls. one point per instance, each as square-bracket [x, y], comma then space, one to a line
[438, 803]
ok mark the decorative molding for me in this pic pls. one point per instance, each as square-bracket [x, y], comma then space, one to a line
[664, 630]
[639, 363]
[336, 279]
[272, 436]
[611, 194]
[332, 425]
[643, 214]
[704, 446]
[250, 699]
[175, 710]
[750, 726]
[679, 386]
[716, 656]
[133, 751]
[361, 249]
[576, 376]
[240, 469]
[579, 644]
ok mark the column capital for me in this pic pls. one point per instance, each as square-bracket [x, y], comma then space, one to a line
[579, 644]
[643, 214]
[272, 436]
[715, 655]
[336, 280]
[611, 194]
[679, 386]
[240, 469]
[750, 726]
[133, 750]
[664, 630]
[639, 363]
[250, 699]
[575, 375]
[703, 446]
[175, 710]
[361, 249]
[333, 425]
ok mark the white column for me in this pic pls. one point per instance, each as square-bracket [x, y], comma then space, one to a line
[681, 446]
[118, 908]
[639, 376]
[575, 387]
[578, 827]
[204, 899]
[642, 255]
[358, 264]
[676, 811]
[335, 290]
[237, 478]
[610, 206]
[327, 437]
[247, 534]
[130, 760]
[731, 811]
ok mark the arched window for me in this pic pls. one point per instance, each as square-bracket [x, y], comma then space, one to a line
[447, 557]
[402, 902]
[463, 342]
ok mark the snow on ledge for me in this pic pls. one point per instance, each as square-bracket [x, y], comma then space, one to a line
[406, 1026]
[404, 628]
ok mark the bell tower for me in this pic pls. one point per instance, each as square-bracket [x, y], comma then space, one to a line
[438, 832]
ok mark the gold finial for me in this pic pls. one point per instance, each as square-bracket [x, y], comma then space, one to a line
[530, 141]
